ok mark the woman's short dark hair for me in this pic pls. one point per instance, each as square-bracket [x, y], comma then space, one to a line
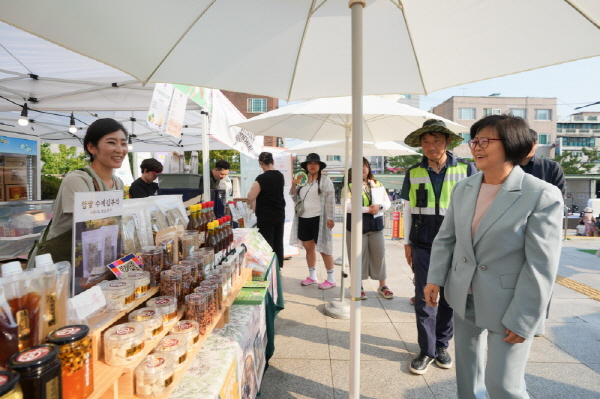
[151, 165]
[98, 129]
[513, 132]
[266, 158]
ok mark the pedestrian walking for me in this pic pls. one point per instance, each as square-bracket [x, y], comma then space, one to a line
[426, 191]
[496, 255]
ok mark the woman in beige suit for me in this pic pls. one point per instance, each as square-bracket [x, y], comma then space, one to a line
[496, 256]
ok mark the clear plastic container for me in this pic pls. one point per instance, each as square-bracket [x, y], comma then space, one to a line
[190, 329]
[212, 309]
[217, 281]
[167, 306]
[189, 243]
[154, 375]
[141, 280]
[171, 283]
[186, 278]
[177, 345]
[75, 354]
[123, 343]
[151, 318]
[119, 294]
[196, 310]
[152, 258]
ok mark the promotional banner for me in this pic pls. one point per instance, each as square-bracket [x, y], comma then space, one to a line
[159, 107]
[13, 145]
[176, 113]
[96, 241]
[224, 114]
[199, 95]
[283, 163]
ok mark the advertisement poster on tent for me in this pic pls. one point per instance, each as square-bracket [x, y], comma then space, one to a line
[96, 243]
[159, 107]
[176, 114]
[283, 163]
[200, 95]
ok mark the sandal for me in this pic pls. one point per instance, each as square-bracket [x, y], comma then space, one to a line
[385, 292]
[363, 294]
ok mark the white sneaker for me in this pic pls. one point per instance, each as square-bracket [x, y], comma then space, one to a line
[338, 261]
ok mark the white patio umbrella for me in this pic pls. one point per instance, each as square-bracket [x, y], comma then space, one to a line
[302, 49]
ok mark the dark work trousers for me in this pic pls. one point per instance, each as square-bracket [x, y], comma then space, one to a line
[272, 231]
[434, 328]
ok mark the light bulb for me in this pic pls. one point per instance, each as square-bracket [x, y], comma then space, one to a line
[72, 128]
[23, 121]
[130, 147]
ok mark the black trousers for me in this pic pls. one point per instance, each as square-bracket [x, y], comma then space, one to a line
[434, 326]
[272, 231]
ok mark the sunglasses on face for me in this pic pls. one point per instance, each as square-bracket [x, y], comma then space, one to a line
[482, 142]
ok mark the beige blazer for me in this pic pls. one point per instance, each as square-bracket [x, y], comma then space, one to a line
[512, 261]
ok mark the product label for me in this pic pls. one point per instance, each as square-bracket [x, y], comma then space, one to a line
[134, 350]
[147, 313]
[23, 329]
[135, 275]
[129, 299]
[184, 326]
[157, 330]
[196, 338]
[167, 343]
[194, 296]
[155, 362]
[118, 284]
[169, 316]
[169, 381]
[32, 354]
[52, 389]
[162, 301]
[182, 358]
[51, 309]
[139, 291]
[65, 332]
[3, 379]
[125, 330]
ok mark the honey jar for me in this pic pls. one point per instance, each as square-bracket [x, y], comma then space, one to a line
[39, 369]
[75, 354]
[9, 385]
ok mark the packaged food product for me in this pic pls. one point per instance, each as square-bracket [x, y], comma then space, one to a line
[186, 278]
[189, 243]
[197, 264]
[207, 289]
[93, 253]
[171, 283]
[177, 345]
[119, 294]
[217, 281]
[39, 369]
[190, 329]
[123, 343]
[196, 310]
[167, 306]
[141, 281]
[111, 237]
[154, 375]
[75, 354]
[152, 258]
[9, 385]
[151, 318]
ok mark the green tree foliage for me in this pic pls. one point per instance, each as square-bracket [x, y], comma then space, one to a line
[62, 162]
[573, 164]
[401, 163]
[50, 186]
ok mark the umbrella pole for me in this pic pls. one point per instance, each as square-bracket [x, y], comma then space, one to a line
[340, 309]
[356, 230]
[205, 159]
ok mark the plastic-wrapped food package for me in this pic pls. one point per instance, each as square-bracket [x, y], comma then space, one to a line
[137, 226]
[190, 329]
[119, 294]
[173, 209]
[93, 253]
[111, 236]
[152, 258]
[177, 345]
[151, 318]
[141, 280]
[123, 343]
[167, 306]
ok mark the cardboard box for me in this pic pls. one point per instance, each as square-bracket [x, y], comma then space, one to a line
[15, 162]
[15, 175]
[2, 178]
[16, 192]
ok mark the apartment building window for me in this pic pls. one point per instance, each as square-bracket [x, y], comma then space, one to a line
[592, 118]
[543, 115]
[544, 139]
[491, 111]
[578, 142]
[466, 113]
[332, 158]
[520, 112]
[257, 105]
[465, 136]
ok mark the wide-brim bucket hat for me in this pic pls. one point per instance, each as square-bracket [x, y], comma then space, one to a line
[429, 126]
[313, 157]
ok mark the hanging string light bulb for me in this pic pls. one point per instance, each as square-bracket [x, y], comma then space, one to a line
[72, 128]
[130, 142]
[24, 120]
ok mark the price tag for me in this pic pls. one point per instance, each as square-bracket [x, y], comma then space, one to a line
[88, 302]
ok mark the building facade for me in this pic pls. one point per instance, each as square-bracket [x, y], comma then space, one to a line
[581, 130]
[251, 105]
[539, 112]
